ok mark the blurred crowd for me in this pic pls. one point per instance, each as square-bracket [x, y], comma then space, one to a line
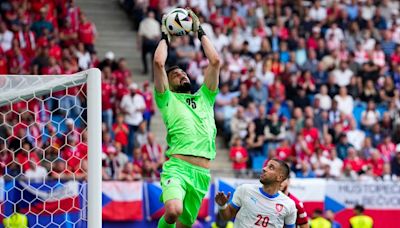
[314, 83]
[41, 138]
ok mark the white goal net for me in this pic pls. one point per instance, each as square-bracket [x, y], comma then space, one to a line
[50, 156]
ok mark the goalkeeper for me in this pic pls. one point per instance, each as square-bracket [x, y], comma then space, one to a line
[191, 131]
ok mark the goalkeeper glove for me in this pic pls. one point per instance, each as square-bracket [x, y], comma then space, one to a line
[164, 32]
[196, 24]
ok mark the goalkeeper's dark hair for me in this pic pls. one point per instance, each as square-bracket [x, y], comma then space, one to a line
[285, 168]
[171, 68]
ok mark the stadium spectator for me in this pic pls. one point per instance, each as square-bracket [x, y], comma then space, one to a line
[73, 153]
[121, 132]
[239, 157]
[137, 161]
[355, 136]
[387, 148]
[128, 173]
[274, 131]
[360, 220]
[107, 97]
[239, 124]
[6, 37]
[395, 163]
[318, 221]
[305, 171]
[353, 162]
[35, 172]
[148, 36]
[342, 74]
[286, 41]
[345, 101]
[330, 216]
[319, 163]
[325, 101]
[253, 143]
[133, 106]
[87, 33]
[335, 164]
[25, 155]
[17, 219]
[153, 152]
[59, 171]
[141, 135]
[148, 99]
[376, 164]
[111, 164]
[223, 99]
[343, 146]
[370, 116]
[149, 170]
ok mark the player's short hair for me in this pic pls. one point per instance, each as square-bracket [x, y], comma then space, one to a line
[317, 212]
[285, 168]
[171, 68]
[359, 208]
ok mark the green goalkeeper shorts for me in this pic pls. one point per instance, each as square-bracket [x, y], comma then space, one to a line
[187, 182]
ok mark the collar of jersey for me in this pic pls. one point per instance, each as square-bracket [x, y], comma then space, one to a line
[268, 195]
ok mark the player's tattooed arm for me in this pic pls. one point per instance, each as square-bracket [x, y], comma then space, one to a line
[226, 211]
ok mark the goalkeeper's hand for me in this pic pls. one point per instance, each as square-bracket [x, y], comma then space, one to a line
[196, 27]
[195, 20]
[164, 32]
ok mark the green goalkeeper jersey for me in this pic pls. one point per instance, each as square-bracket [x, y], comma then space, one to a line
[189, 119]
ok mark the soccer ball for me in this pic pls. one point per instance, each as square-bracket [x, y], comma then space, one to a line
[179, 22]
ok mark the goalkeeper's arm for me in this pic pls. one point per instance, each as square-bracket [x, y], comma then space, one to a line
[160, 56]
[211, 77]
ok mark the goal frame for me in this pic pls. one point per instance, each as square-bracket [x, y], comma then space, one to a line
[93, 96]
[94, 147]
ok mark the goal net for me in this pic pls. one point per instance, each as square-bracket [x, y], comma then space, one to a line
[50, 150]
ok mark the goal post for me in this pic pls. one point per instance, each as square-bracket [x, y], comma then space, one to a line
[94, 148]
[63, 94]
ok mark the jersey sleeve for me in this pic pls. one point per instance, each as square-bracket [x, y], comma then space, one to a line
[162, 98]
[208, 94]
[290, 218]
[301, 214]
[237, 198]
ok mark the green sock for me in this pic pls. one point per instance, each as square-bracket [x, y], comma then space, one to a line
[163, 224]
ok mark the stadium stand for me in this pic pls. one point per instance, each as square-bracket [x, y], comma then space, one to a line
[323, 85]
[314, 83]
[326, 74]
[55, 37]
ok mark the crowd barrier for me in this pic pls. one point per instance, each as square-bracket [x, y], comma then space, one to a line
[137, 204]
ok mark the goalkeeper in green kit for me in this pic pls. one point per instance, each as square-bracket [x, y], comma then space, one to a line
[191, 131]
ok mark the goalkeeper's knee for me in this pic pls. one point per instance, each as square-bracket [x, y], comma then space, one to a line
[163, 224]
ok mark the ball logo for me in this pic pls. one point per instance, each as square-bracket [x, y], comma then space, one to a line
[278, 207]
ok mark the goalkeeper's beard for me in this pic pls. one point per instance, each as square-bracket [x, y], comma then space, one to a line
[186, 87]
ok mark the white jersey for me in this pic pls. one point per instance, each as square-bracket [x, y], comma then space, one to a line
[258, 209]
